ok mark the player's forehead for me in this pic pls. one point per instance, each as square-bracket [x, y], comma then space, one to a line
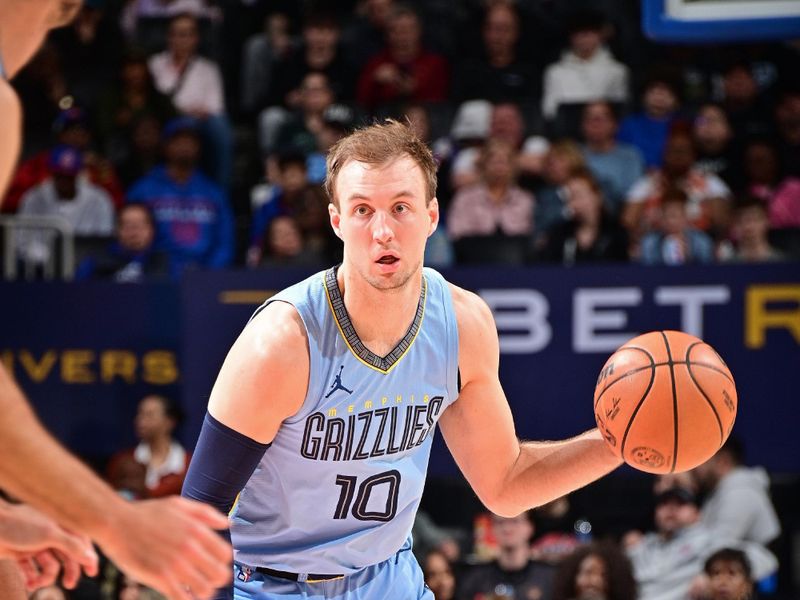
[360, 180]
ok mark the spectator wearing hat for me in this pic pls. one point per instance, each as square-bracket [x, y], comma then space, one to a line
[194, 224]
[71, 128]
[195, 85]
[586, 71]
[86, 208]
[668, 563]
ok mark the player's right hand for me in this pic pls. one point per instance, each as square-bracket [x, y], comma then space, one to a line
[42, 548]
[169, 545]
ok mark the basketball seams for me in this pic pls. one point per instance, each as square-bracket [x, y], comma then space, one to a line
[674, 402]
[652, 365]
[708, 400]
[638, 406]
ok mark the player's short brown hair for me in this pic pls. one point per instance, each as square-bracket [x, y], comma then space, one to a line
[376, 145]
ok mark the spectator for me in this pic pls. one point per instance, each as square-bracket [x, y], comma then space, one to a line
[780, 195]
[555, 537]
[591, 234]
[319, 52]
[439, 576]
[495, 210]
[137, 13]
[404, 71]
[512, 571]
[676, 242]
[648, 130]
[299, 132]
[262, 52]
[132, 257]
[617, 164]
[133, 97]
[195, 86]
[90, 51]
[194, 225]
[749, 232]
[337, 121]
[713, 139]
[71, 128]
[728, 571]
[459, 154]
[586, 71]
[144, 151]
[745, 107]
[787, 125]
[708, 197]
[737, 505]
[501, 74]
[562, 159]
[668, 563]
[84, 207]
[366, 35]
[595, 572]
[165, 460]
[284, 246]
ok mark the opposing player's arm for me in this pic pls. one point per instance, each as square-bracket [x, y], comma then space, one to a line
[265, 375]
[508, 476]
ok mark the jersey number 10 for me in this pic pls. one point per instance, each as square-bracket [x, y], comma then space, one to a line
[348, 483]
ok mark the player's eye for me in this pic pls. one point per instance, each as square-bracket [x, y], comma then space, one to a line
[361, 210]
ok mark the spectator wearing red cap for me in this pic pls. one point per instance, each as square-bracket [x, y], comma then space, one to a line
[86, 208]
[71, 128]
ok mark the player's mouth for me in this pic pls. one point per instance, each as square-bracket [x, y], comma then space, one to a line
[388, 263]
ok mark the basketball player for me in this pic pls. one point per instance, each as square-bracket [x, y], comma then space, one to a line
[166, 544]
[322, 416]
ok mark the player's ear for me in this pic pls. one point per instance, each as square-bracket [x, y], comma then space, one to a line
[335, 217]
[433, 213]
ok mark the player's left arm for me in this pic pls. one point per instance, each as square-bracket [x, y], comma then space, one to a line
[508, 476]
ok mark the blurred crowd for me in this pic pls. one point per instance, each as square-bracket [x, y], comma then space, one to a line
[713, 533]
[169, 135]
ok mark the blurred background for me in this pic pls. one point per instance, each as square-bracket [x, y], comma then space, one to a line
[605, 169]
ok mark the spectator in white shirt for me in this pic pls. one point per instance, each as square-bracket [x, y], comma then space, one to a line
[85, 208]
[195, 85]
[586, 71]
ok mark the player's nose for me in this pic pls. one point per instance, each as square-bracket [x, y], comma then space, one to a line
[381, 228]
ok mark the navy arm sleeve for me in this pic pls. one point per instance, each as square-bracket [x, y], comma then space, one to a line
[222, 462]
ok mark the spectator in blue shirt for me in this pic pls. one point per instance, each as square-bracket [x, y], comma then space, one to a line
[194, 224]
[648, 129]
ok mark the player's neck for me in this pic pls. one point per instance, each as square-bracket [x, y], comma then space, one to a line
[381, 317]
[16, 52]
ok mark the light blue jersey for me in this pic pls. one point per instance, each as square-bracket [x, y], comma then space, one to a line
[339, 488]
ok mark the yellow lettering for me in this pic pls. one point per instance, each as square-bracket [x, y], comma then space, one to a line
[331, 412]
[75, 366]
[398, 400]
[159, 367]
[368, 404]
[384, 400]
[350, 408]
[7, 358]
[412, 399]
[759, 317]
[425, 398]
[118, 363]
[37, 371]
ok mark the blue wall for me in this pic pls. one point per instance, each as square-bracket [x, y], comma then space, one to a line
[85, 353]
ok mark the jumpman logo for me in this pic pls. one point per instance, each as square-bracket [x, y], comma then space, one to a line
[337, 384]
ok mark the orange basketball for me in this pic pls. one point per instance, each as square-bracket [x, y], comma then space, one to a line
[665, 402]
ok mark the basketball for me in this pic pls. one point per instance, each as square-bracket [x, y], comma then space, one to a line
[665, 402]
